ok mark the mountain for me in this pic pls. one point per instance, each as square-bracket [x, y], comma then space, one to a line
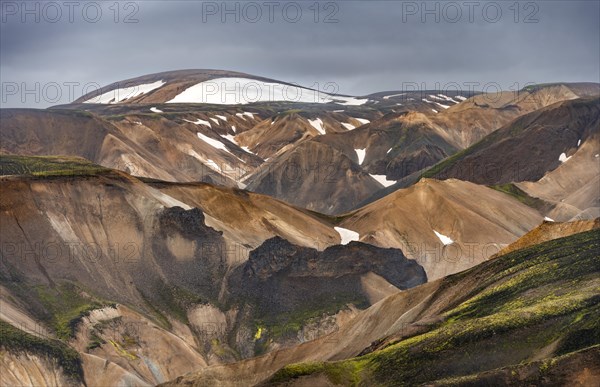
[314, 176]
[209, 227]
[512, 319]
[395, 145]
[483, 113]
[398, 145]
[572, 188]
[447, 226]
[136, 145]
[207, 86]
[181, 126]
[528, 147]
[122, 269]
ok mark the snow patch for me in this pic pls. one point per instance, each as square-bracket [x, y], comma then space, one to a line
[155, 110]
[445, 97]
[445, 240]
[212, 142]
[548, 219]
[435, 111]
[350, 101]
[389, 150]
[317, 124]
[362, 120]
[563, 157]
[229, 137]
[382, 179]
[118, 95]
[199, 122]
[214, 166]
[578, 142]
[251, 115]
[241, 91]
[348, 126]
[361, 155]
[233, 127]
[214, 120]
[392, 95]
[346, 235]
[221, 117]
[461, 97]
[247, 150]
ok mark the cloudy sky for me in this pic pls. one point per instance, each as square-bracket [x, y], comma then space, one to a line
[49, 53]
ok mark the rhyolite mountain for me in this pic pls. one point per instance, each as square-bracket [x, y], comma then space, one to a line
[511, 320]
[528, 147]
[92, 253]
[181, 126]
[162, 227]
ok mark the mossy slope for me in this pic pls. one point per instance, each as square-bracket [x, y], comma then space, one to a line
[14, 339]
[43, 166]
[533, 304]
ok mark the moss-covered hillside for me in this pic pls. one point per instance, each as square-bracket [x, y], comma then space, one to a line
[534, 309]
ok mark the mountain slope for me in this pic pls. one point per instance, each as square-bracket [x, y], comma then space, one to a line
[521, 296]
[572, 187]
[248, 219]
[464, 325]
[548, 231]
[140, 148]
[481, 114]
[315, 176]
[395, 145]
[121, 270]
[447, 226]
[528, 147]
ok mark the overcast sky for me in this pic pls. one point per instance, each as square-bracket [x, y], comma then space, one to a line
[364, 47]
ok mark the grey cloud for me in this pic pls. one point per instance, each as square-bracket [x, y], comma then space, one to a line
[369, 49]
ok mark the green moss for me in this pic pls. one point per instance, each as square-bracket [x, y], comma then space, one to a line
[67, 305]
[13, 339]
[583, 332]
[347, 373]
[43, 166]
[294, 371]
[522, 196]
[95, 341]
[281, 324]
[290, 111]
[447, 163]
[159, 317]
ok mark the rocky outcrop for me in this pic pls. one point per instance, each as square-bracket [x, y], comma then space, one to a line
[285, 286]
